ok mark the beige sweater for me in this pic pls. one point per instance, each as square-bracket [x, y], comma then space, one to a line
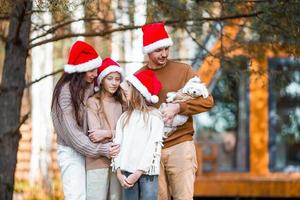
[68, 132]
[173, 77]
[96, 120]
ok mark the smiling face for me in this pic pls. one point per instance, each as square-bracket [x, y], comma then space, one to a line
[158, 58]
[90, 75]
[111, 82]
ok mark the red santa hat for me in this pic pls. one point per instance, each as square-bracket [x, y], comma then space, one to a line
[155, 37]
[108, 66]
[83, 57]
[147, 84]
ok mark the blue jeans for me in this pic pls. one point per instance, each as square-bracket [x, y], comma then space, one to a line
[144, 189]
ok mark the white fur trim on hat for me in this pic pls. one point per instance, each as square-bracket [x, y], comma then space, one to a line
[167, 42]
[83, 67]
[142, 89]
[108, 70]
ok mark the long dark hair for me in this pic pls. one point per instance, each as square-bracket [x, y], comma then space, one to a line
[77, 87]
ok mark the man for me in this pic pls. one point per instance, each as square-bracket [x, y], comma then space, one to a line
[178, 160]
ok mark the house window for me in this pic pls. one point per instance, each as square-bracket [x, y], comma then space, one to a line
[223, 132]
[284, 114]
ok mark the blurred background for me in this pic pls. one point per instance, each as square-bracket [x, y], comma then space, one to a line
[247, 53]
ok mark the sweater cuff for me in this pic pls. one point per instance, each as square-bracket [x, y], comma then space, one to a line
[105, 149]
[182, 107]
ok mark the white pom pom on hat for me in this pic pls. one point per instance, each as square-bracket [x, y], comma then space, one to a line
[154, 99]
[96, 88]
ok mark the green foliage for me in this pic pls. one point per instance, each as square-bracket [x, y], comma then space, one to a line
[276, 22]
[226, 92]
[284, 86]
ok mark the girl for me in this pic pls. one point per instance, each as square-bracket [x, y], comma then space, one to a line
[103, 111]
[139, 132]
[68, 111]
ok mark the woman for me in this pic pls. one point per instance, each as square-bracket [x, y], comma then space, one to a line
[103, 111]
[68, 114]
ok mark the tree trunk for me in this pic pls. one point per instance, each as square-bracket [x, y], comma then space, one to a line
[11, 92]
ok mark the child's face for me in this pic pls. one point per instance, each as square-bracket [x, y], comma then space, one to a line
[111, 82]
[126, 87]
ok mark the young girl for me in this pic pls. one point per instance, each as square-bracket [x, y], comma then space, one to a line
[67, 111]
[139, 132]
[103, 111]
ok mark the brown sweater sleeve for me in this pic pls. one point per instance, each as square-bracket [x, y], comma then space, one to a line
[74, 134]
[197, 105]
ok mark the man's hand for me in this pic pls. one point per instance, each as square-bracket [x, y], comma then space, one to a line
[133, 178]
[170, 111]
[122, 179]
[114, 150]
[99, 135]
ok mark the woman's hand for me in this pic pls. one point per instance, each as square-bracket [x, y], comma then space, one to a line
[114, 150]
[122, 179]
[133, 178]
[99, 135]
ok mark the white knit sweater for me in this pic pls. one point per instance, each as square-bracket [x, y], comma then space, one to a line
[141, 143]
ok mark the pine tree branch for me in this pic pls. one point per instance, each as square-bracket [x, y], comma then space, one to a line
[199, 44]
[223, 18]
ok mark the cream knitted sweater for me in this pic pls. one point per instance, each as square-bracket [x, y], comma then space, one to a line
[141, 143]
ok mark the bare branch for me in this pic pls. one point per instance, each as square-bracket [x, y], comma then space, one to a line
[91, 34]
[45, 76]
[4, 17]
[23, 120]
[14, 130]
[60, 25]
[200, 45]
[126, 28]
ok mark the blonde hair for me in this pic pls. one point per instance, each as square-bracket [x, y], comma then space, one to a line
[136, 102]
